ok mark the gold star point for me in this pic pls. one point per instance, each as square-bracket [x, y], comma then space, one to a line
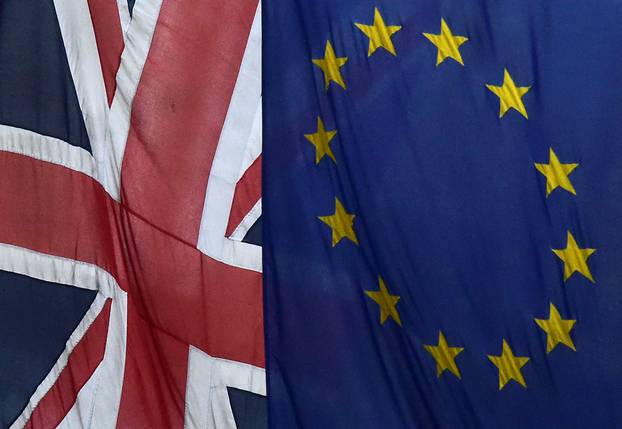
[509, 366]
[557, 330]
[557, 174]
[510, 95]
[331, 66]
[341, 223]
[321, 141]
[445, 356]
[379, 34]
[447, 44]
[575, 259]
[386, 302]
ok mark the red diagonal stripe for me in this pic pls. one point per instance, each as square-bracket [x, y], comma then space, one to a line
[247, 193]
[83, 361]
[109, 37]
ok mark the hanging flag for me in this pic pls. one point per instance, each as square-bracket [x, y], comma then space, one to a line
[442, 214]
[130, 258]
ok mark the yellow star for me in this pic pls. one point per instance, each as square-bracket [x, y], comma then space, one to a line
[342, 224]
[575, 259]
[510, 95]
[331, 65]
[557, 330]
[386, 301]
[444, 356]
[379, 34]
[321, 140]
[557, 174]
[509, 366]
[448, 45]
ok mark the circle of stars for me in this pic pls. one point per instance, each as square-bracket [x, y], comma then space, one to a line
[342, 223]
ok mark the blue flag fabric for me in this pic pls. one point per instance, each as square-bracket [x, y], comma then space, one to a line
[442, 213]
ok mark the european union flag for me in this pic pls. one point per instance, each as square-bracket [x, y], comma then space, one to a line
[443, 213]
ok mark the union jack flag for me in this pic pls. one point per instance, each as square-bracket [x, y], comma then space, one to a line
[130, 152]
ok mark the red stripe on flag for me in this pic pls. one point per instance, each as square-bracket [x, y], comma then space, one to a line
[179, 110]
[109, 37]
[247, 193]
[83, 361]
